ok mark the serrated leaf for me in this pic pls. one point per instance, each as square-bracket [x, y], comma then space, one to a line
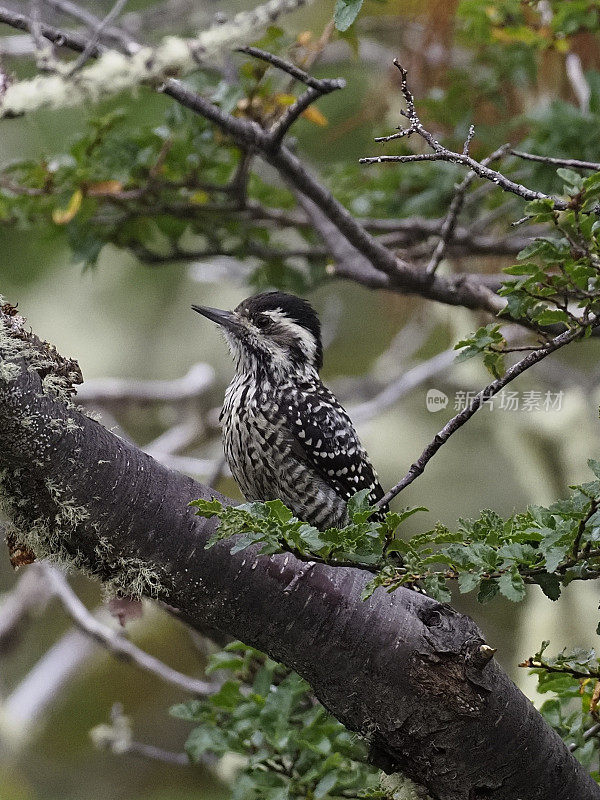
[467, 581]
[511, 585]
[278, 510]
[487, 591]
[207, 508]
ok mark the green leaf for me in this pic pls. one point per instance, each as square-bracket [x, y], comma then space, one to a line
[207, 508]
[325, 785]
[551, 317]
[467, 581]
[594, 465]
[206, 740]
[487, 590]
[573, 179]
[345, 13]
[278, 510]
[359, 509]
[511, 585]
[550, 585]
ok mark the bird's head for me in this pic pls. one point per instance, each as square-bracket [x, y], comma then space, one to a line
[274, 331]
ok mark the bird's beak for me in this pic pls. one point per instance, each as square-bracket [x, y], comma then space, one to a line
[225, 318]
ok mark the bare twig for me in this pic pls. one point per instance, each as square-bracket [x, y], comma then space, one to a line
[441, 153]
[109, 391]
[43, 51]
[577, 79]
[283, 65]
[100, 27]
[28, 595]
[291, 114]
[108, 32]
[478, 401]
[316, 88]
[118, 738]
[61, 38]
[591, 731]
[114, 641]
[397, 389]
[449, 223]
[575, 163]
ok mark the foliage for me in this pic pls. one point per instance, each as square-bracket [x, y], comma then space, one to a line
[179, 189]
[573, 678]
[556, 274]
[549, 546]
[346, 11]
[290, 746]
[364, 541]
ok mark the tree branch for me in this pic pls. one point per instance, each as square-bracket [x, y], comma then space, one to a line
[114, 642]
[418, 686]
[478, 401]
[441, 153]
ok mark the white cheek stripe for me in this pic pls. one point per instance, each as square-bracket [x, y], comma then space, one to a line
[307, 340]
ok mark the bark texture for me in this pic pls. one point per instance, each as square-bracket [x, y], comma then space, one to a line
[402, 669]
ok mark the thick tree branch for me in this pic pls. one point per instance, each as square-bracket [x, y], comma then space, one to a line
[405, 671]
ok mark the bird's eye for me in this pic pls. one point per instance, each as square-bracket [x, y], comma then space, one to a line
[262, 322]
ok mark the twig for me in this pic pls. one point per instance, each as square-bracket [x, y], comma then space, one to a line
[158, 754]
[103, 24]
[478, 401]
[397, 389]
[559, 162]
[109, 391]
[117, 737]
[594, 504]
[108, 32]
[441, 153]
[115, 643]
[61, 38]
[28, 595]
[316, 88]
[283, 65]
[591, 731]
[291, 114]
[449, 223]
[43, 51]
[577, 79]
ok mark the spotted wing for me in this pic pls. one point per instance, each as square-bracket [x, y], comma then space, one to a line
[324, 437]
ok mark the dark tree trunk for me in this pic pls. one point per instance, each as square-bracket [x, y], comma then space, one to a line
[402, 669]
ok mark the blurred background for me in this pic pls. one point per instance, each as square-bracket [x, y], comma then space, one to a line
[123, 318]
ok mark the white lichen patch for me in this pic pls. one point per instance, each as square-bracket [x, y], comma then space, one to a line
[398, 787]
[134, 578]
[9, 371]
[115, 72]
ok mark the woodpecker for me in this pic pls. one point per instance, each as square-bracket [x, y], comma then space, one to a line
[284, 433]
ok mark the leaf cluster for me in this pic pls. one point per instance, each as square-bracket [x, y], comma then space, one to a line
[364, 542]
[561, 269]
[557, 277]
[290, 746]
[548, 546]
[572, 680]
